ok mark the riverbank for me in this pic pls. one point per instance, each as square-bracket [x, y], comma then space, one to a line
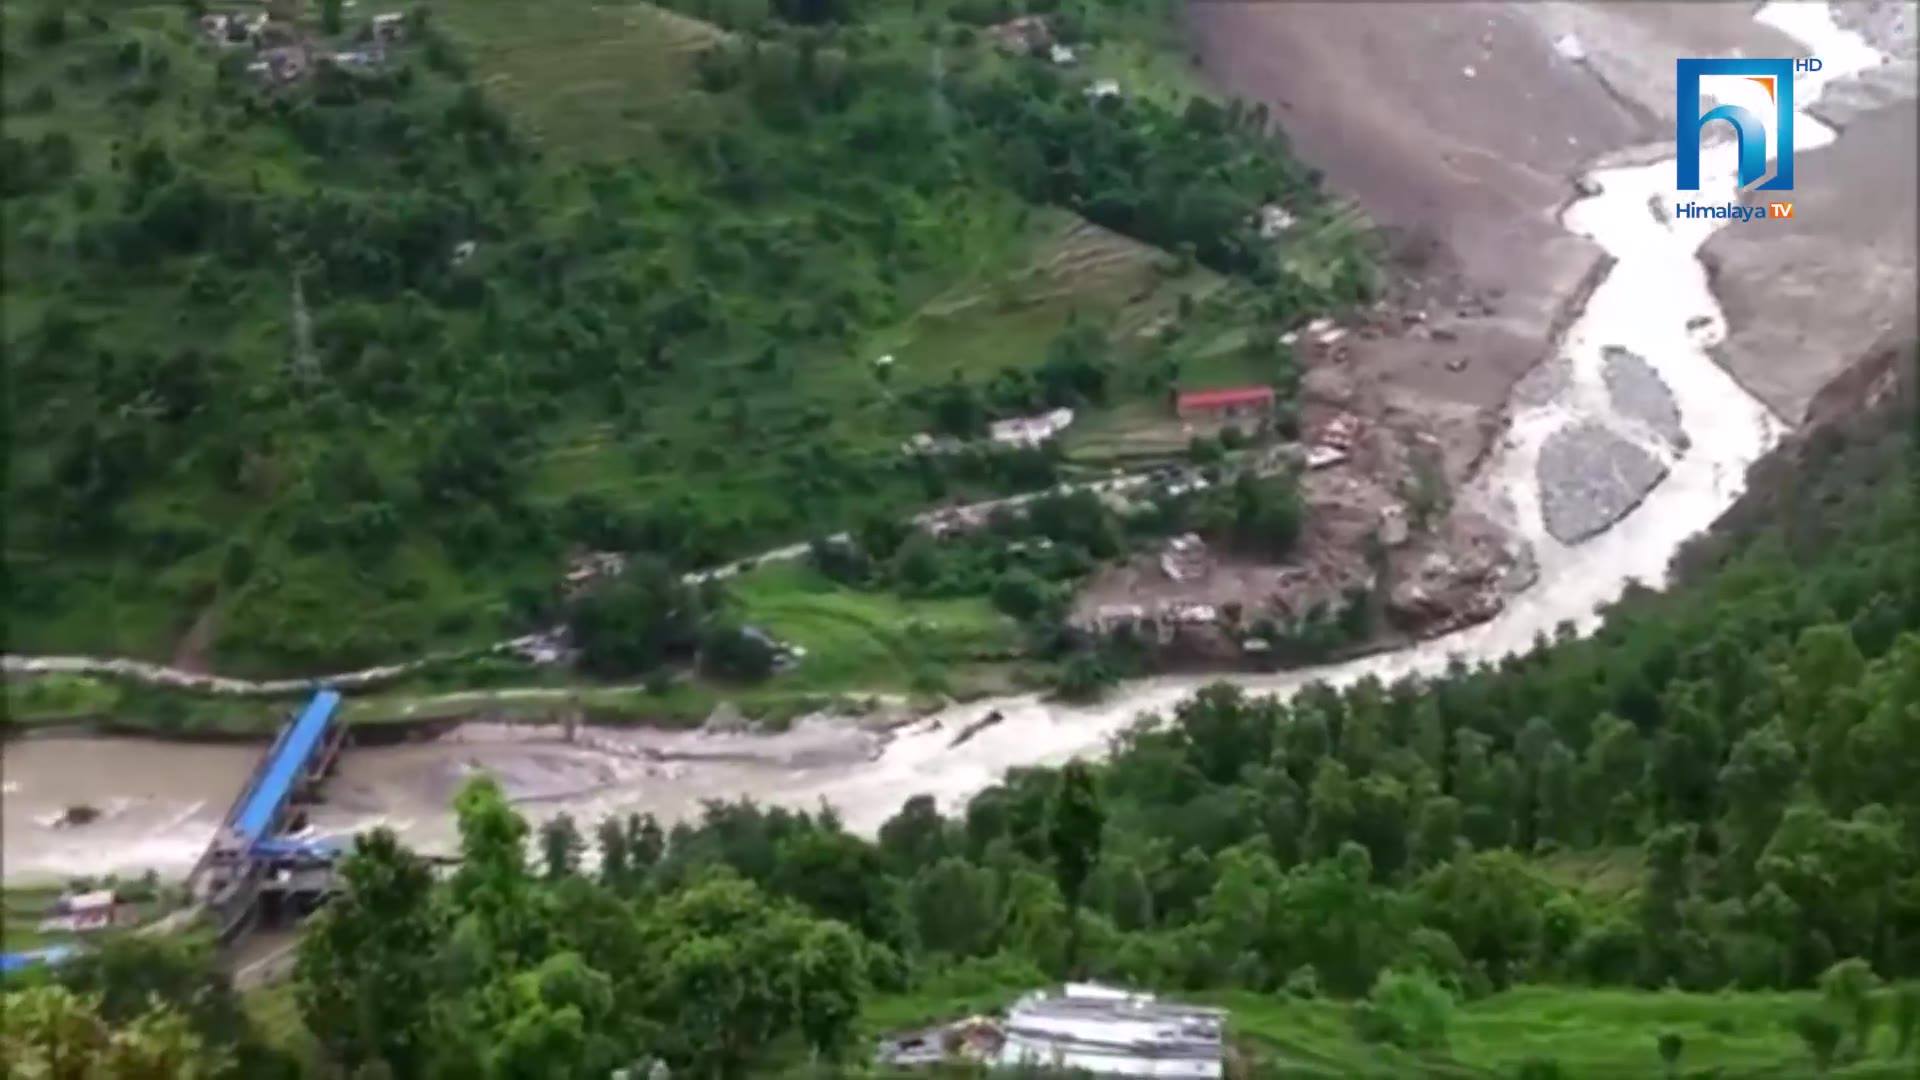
[115, 709]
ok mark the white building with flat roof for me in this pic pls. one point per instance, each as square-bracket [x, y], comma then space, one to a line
[1031, 430]
[1107, 1031]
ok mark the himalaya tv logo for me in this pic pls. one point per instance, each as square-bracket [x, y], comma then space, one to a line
[1754, 97]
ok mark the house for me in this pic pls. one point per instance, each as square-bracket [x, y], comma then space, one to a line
[1024, 35]
[389, 27]
[232, 29]
[1103, 88]
[86, 912]
[1226, 403]
[1031, 430]
[1185, 558]
[1191, 614]
[1062, 55]
[1085, 1027]
[1274, 220]
[586, 568]
[1111, 1032]
[283, 65]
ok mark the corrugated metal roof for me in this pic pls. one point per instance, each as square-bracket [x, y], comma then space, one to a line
[286, 759]
[1214, 399]
[1111, 1032]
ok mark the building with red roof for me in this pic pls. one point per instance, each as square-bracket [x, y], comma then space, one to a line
[1234, 401]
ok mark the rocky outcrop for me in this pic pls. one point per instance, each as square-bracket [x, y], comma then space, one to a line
[1639, 395]
[1590, 477]
[1807, 298]
[1460, 577]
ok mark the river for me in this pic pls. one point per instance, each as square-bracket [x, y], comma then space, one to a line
[160, 801]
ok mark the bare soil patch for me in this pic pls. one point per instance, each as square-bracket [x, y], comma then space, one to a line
[1808, 298]
[1459, 129]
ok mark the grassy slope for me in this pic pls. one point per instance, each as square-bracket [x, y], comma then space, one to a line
[582, 80]
[24, 909]
[1591, 1033]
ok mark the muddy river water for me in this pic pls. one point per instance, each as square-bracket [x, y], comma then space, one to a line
[160, 801]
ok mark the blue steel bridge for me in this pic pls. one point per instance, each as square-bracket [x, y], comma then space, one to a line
[253, 866]
[253, 869]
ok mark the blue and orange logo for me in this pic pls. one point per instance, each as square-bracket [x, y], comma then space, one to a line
[1757, 132]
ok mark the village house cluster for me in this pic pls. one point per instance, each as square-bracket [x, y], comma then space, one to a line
[1033, 35]
[285, 52]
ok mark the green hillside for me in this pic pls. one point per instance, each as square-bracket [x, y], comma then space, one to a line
[319, 373]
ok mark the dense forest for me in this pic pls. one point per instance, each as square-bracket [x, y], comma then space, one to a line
[284, 356]
[1744, 744]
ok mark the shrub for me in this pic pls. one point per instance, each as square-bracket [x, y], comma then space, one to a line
[1082, 678]
[1204, 451]
[1019, 594]
[1670, 1045]
[1303, 982]
[1406, 1009]
[1906, 1017]
[1821, 1034]
[728, 651]
[840, 561]
[1848, 987]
